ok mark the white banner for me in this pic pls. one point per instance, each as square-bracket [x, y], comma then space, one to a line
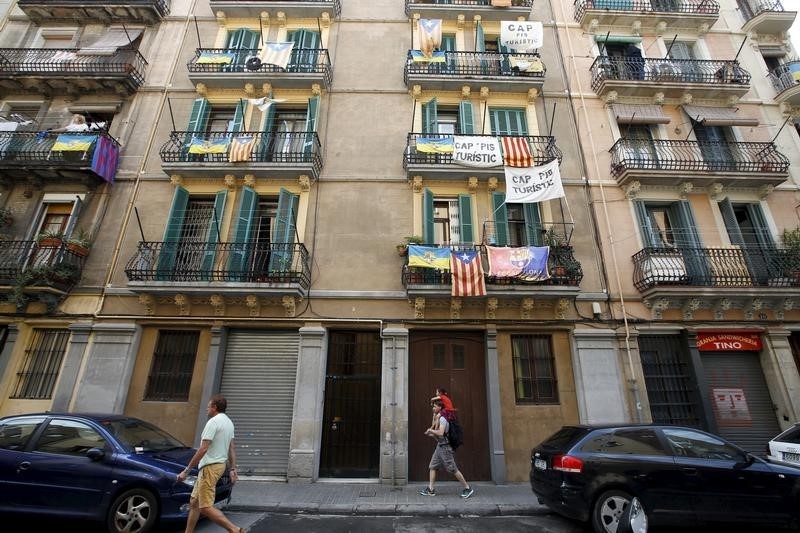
[533, 184]
[521, 35]
[481, 152]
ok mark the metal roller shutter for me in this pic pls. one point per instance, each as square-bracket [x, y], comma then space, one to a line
[742, 370]
[258, 380]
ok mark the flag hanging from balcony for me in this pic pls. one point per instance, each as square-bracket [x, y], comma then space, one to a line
[428, 257]
[63, 55]
[263, 103]
[430, 35]
[241, 148]
[106, 158]
[521, 36]
[501, 3]
[435, 145]
[516, 152]
[278, 53]
[526, 63]
[476, 151]
[528, 263]
[467, 274]
[73, 143]
[534, 184]
[216, 58]
[435, 57]
[208, 146]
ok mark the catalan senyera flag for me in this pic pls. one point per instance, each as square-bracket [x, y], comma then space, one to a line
[278, 53]
[516, 152]
[208, 146]
[241, 148]
[428, 257]
[435, 145]
[73, 143]
[467, 274]
[430, 35]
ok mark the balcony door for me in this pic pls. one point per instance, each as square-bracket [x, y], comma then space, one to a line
[243, 43]
[515, 224]
[305, 54]
[715, 146]
[447, 220]
[687, 65]
[747, 228]
[641, 151]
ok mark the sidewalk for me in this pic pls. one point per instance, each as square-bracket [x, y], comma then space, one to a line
[378, 499]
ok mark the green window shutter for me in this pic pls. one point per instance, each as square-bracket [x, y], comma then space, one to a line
[312, 116]
[760, 226]
[304, 39]
[242, 41]
[283, 234]
[198, 118]
[448, 43]
[213, 236]
[509, 122]
[172, 234]
[240, 249]
[465, 218]
[533, 224]
[688, 239]
[427, 217]
[238, 116]
[465, 118]
[480, 45]
[500, 218]
[266, 137]
[650, 237]
[305, 54]
[731, 224]
[429, 113]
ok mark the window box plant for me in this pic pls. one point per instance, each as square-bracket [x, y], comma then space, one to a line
[402, 248]
[50, 239]
[79, 243]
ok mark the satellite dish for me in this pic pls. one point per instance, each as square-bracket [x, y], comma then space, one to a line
[252, 63]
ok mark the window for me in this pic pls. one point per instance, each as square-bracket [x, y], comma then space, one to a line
[670, 386]
[510, 122]
[69, 437]
[220, 119]
[447, 220]
[635, 441]
[41, 364]
[173, 365]
[14, 434]
[514, 224]
[693, 444]
[791, 437]
[667, 224]
[534, 369]
[447, 120]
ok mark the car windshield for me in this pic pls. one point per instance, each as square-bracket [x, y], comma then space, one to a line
[139, 436]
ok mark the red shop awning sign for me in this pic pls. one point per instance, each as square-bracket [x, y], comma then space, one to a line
[729, 342]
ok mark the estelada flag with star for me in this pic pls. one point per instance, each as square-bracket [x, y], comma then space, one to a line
[467, 274]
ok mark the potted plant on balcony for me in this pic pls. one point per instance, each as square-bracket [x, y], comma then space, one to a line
[791, 242]
[50, 239]
[558, 254]
[79, 243]
[402, 248]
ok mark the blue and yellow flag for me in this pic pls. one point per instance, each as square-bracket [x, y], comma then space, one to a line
[428, 257]
[73, 143]
[212, 146]
[435, 145]
[435, 57]
[220, 58]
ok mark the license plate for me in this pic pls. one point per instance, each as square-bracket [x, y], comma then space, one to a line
[541, 464]
[791, 457]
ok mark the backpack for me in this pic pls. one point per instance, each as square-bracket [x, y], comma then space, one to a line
[455, 435]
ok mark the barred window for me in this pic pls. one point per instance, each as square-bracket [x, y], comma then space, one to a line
[173, 365]
[39, 369]
[534, 369]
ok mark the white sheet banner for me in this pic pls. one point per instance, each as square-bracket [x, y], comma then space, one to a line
[481, 152]
[521, 35]
[533, 184]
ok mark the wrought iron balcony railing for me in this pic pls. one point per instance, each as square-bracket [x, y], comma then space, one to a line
[542, 147]
[752, 8]
[785, 76]
[645, 7]
[478, 65]
[652, 70]
[123, 67]
[716, 267]
[146, 11]
[696, 156]
[235, 262]
[302, 61]
[30, 267]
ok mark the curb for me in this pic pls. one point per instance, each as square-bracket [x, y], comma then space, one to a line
[404, 509]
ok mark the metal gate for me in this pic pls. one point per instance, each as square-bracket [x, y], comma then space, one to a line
[258, 379]
[740, 399]
[671, 385]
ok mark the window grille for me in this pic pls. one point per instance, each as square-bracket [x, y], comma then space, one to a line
[38, 372]
[670, 389]
[171, 371]
[534, 369]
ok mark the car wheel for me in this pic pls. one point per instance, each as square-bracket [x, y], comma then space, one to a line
[608, 509]
[134, 511]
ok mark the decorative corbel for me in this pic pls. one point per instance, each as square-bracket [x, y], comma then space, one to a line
[266, 89]
[472, 184]
[149, 304]
[755, 305]
[661, 27]
[176, 179]
[281, 18]
[249, 89]
[786, 305]
[658, 98]
[611, 97]
[288, 306]
[416, 183]
[765, 190]
[689, 307]
[183, 304]
[201, 89]
[221, 17]
[561, 308]
[250, 180]
[218, 303]
[455, 308]
[686, 98]
[533, 93]
[264, 18]
[492, 184]
[416, 92]
[633, 189]
[305, 182]
[657, 307]
[722, 305]
[491, 308]
[685, 189]
[484, 93]
[465, 92]
[526, 308]
[476, 19]
[703, 28]
[325, 20]
[732, 101]
[460, 21]
[419, 307]
[715, 190]
[316, 89]
[636, 27]
[594, 25]
[416, 17]
[230, 181]
[253, 304]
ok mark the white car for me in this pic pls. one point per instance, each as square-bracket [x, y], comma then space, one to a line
[785, 448]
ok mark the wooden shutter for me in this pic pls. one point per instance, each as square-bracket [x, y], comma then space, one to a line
[687, 239]
[73, 217]
[731, 224]
[198, 118]
[427, 216]
[480, 45]
[283, 234]
[763, 235]
[500, 218]
[244, 42]
[508, 122]
[238, 116]
[306, 50]
[465, 218]
[266, 138]
[533, 224]
[466, 120]
[240, 248]
[312, 115]
[430, 123]
[213, 237]
[650, 237]
[172, 233]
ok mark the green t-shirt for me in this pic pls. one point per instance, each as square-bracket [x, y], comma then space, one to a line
[219, 430]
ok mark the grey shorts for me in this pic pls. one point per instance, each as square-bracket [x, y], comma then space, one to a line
[443, 458]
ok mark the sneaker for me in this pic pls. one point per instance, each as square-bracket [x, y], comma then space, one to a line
[427, 492]
[466, 493]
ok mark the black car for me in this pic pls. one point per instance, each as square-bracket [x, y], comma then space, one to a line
[682, 476]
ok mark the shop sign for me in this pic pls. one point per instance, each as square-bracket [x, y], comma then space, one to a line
[724, 341]
[730, 406]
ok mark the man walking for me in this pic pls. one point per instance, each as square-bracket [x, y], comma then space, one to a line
[216, 449]
[443, 454]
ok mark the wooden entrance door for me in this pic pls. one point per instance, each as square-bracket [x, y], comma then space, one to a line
[457, 363]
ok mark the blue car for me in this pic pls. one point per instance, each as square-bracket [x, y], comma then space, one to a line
[110, 468]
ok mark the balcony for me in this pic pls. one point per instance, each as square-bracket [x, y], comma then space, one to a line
[269, 155]
[496, 70]
[31, 272]
[644, 77]
[543, 149]
[450, 9]
[71, 71]
[306, 67]
[93, 11]
[786, 81]
[663, 162]
[765, 16]
[36, 157]
[294, 9]
[230, 268]
[651, 14]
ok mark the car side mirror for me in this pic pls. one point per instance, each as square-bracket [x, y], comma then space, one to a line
[95, 454]
[633, 519]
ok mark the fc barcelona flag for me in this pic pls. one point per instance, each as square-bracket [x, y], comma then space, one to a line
[528, 263]
[73, 143]
[242, 148]
[105, 159]
[467, 274]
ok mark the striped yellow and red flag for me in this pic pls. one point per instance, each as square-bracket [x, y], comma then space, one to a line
[467, 274]
[516, 152]
[241, 148]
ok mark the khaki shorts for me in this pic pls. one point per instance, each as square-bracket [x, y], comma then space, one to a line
[206, 484]
[443, 457]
